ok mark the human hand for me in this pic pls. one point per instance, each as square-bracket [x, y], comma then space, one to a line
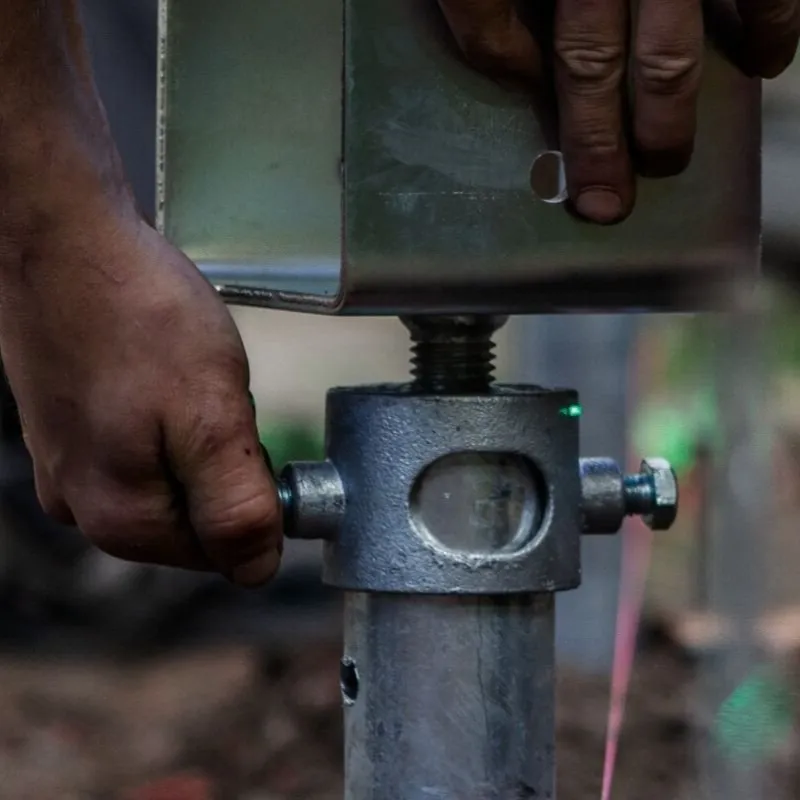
[132, 384]
[591, 48]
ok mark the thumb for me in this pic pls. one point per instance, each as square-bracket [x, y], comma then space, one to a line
[230, 496]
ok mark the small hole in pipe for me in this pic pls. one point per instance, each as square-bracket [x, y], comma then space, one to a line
[548, 181]
[348, 680]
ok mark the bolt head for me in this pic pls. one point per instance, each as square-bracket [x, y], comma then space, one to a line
[665, 499]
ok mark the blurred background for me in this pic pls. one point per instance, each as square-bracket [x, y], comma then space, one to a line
[129, 681]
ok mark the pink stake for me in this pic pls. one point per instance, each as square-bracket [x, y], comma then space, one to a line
[637, 546]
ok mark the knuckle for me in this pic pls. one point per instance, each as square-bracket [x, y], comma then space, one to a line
[590, 64]
[664, 73]
[595, 137]
[232, 365]
[209, 437]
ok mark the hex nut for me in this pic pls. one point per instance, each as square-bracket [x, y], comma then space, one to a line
[665, 494]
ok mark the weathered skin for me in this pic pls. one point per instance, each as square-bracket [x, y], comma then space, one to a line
[590, 46]
[129, 372]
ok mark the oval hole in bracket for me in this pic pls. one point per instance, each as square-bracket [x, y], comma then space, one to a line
[548, 179]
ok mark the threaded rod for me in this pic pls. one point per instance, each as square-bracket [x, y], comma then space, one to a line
[453, 354]
[639, 494]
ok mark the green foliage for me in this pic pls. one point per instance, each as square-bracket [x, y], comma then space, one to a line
[292, 441]
[755, 719]
[675, 424]
[691, 343]
[674, 430]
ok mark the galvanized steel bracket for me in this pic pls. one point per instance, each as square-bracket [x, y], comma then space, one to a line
[341, 158]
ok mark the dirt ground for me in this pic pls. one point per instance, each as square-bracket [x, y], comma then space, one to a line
[236, 724]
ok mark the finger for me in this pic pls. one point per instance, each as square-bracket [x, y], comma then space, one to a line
[493, 38]
[230, 495]
[590, 38]
[770, 31]
[143, 523]
[50, 499]
[667, 71]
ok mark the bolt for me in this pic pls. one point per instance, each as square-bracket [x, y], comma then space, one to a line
[653, 494]
[608, 496]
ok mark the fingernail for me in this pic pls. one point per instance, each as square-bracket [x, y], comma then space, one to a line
[599, 205]
[257, 571]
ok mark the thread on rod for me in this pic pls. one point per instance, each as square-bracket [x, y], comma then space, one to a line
[639, 494]
[453, 366]
[452, 354]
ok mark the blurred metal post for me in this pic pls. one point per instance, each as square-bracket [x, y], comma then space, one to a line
[741, 517]
[590, 353]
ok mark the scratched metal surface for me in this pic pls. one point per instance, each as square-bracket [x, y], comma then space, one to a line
[435, 211]
[249, 139]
